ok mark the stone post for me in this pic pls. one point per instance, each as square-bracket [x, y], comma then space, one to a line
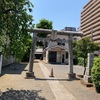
[70, 74]
[30, 72]
[90, 62]
[1, 58]
[87, 76]
[54, 35]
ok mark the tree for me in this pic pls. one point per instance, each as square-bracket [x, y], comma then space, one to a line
[4, 43]
[82, 47]
[27, 53]
[45, 24]
[14, 22]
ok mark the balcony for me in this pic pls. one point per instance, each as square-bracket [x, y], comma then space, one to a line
[96, 37]
[95, 27]
[89, 32]
[97, 41]
[88, 8]
[83, 26]
[91, 15]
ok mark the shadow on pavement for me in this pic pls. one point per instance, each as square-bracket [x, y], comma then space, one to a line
[56, 79]
[14, 69]
[11, 94]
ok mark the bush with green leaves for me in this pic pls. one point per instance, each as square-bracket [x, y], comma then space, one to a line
[81, 61]
[95, 73]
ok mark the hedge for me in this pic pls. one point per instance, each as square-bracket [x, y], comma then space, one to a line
[95, 73]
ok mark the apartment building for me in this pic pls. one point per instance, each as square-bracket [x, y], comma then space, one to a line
[90, 20]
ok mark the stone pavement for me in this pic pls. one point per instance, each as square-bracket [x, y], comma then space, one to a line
[79, 91]
[43, 88]
[58, 90]
[15, 79]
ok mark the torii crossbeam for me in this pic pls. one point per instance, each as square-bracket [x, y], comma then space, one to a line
[70, 34]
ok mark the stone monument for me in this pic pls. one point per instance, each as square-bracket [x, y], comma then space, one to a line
[87, 76]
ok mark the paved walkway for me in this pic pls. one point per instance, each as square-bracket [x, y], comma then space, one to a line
[58, 90]
[79, 91]
[43, 87]
[15, 79]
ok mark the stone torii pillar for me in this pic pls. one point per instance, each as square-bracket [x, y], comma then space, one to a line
[54, 35]
[1, 58]
[70, 52]
[30, 72]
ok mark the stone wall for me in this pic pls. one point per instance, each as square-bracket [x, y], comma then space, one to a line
[9, 60]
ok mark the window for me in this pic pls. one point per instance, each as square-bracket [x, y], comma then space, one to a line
[63, 44]
[59, 43]
[66, 54]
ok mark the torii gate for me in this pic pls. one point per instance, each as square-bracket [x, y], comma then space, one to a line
[70, 34]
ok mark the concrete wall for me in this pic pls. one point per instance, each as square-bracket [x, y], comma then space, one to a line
[8, 61]
[63, 37]
[54, 43]
[44, 56]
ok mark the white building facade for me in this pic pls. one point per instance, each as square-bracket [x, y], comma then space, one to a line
[56, 50]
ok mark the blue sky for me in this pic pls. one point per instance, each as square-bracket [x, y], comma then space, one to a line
[61, 12]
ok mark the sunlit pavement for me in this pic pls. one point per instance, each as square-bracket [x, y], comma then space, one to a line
[44, 87]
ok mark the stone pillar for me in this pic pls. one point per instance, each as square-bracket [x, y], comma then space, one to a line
[70, 48]
[54, 35]
[1, 58]
[90, 62]
[87, 76]
[30, 72]
[47, 56]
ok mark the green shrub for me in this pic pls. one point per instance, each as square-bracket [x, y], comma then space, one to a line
[95, 73]
[81, 61]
